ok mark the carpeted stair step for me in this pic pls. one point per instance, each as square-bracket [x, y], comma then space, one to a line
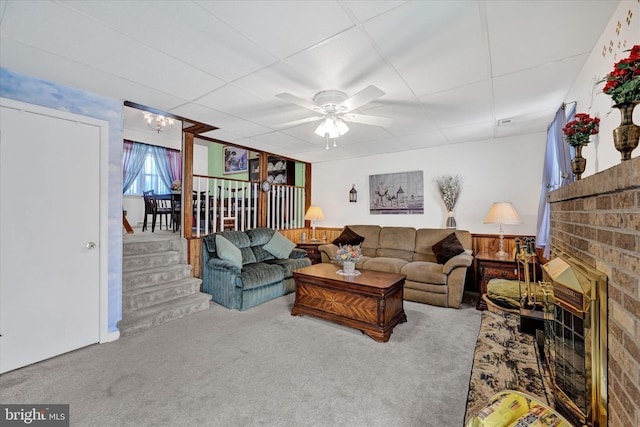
[151, 260]
[145, 246]
[137, 299]
[161, 313]
[154, 276]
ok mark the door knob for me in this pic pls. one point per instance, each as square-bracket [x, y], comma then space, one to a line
[91, 245]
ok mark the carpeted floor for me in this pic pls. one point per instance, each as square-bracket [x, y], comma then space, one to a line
[505, 359]
[264, 367]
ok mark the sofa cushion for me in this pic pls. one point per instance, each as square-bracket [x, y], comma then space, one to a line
[447, 248]
[371, 234]
[389, 265]
[290, 264]
[397, 242]
[260, 274]
[279, 246]
[348, 237]
[424, 271]
[260, 236]
[228, 251]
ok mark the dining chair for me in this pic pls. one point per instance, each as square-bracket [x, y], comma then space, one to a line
[149, 209]
[163, 208]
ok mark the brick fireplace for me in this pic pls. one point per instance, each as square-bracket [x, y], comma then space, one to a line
[597, 221]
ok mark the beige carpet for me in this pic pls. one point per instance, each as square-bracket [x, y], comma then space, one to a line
[264, 367]
[505, 359]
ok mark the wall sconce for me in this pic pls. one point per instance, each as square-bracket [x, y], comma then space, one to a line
[353, 194]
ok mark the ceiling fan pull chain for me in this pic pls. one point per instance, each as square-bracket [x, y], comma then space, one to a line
[326, 138]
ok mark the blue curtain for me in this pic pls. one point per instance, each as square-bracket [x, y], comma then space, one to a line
[132, 162]
[162, 164]
[557, 172]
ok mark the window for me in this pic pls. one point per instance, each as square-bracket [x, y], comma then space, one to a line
[148, 179]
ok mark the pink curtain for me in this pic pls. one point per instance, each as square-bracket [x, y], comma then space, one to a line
[175, 164]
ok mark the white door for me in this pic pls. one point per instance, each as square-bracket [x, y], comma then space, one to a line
[49, 218]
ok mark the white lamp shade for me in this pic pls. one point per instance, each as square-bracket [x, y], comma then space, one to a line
[502, 213]
[314, 213]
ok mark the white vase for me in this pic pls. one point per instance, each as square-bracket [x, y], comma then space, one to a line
[451, 220]
[349, 267]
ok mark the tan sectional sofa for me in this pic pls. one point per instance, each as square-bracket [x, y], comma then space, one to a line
[409, 251]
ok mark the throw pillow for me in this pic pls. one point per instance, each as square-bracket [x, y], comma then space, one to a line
[447, 248]
[348, 237]
[228, 251]
[279, 246]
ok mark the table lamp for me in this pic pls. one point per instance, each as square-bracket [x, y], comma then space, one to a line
[314, 213]
[502, 213]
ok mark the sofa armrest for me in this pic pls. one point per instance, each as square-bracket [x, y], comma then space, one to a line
[221, 264]
[297, 253]
[461, 260]
[327, 252]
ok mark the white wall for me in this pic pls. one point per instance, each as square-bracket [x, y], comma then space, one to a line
[601, 153]
[506, 169]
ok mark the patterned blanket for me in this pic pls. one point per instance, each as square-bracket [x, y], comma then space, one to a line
[505, 359]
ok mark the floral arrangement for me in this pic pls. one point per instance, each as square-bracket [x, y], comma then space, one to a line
[450, 187]
[623, 83]
[348, 253]
[176, 185]
[578, 131]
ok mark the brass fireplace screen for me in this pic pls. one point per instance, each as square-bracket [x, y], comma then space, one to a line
[576, 339]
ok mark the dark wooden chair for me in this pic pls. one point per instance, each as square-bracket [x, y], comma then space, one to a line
[163, 208]
[149, 209]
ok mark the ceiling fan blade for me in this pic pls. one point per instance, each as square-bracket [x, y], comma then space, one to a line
[295, 123]
[300, 102]
[367, 119]
[365, 96]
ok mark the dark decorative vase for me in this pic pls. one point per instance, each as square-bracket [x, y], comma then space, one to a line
[625, 136]
[578, 163]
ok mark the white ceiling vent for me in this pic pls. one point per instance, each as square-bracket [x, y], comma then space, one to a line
[505, 122]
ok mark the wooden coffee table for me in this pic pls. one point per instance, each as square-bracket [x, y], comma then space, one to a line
[371, 302]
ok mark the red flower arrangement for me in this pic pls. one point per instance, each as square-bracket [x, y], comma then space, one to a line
[623, 83]
[578, 131]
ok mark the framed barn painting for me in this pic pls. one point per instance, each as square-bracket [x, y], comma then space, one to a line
[235, 160]
[397, 193]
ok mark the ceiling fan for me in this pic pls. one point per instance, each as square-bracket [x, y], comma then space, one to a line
[335, 108]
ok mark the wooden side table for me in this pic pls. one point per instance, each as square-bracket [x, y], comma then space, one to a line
[312, 250]
[490, 266]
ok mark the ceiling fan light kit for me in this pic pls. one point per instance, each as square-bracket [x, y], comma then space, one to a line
[335, 106]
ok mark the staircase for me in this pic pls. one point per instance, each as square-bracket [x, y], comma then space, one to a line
[157, 286]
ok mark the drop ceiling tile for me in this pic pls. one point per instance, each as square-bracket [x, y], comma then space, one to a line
[83, 41]
[350, 63]
[50, 67]
[469, 133]
[527, 34]
[424, 140]
[365, 10]
[282, 27]
[545, 88]
[468, 104]
[238, 102]
[184, 30]
[434, 45]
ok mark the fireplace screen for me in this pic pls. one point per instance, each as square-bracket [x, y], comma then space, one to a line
[570, 360]
[576, 339]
